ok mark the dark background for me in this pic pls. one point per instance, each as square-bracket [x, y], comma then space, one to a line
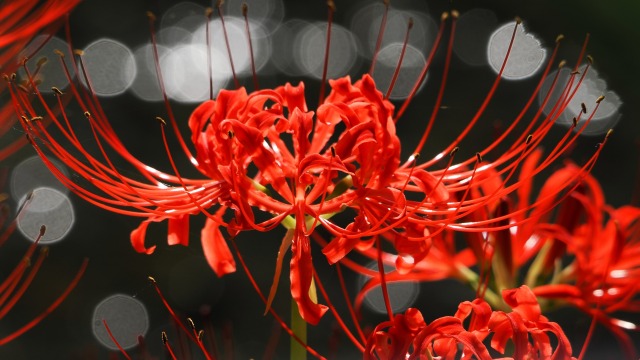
[231, 303]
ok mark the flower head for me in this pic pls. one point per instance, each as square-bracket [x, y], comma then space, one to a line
[409, 337]
[265, 153]
[603, 244]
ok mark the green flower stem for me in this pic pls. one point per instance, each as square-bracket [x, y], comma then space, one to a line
[473, 280]
[537, 266]
[299, 327]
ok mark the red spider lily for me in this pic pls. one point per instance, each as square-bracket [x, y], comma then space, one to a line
[20, 21]
[409, 337]
[604, 243]
[265, 152]
[576, 224]
[520, 231]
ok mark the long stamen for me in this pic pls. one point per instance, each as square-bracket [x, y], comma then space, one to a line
[208, 12]
[402, 52]
[167, 346]
[192, 336]
[352, 312]
[443, 83]
[15, 296]
[245, 9]
[113, 338]
[7, 286]
[331, 9]
[50, 309]
[383, 25]
[605, 275]
[170, 309]
[156, 58]
[383, 280]
[341, 323]
[426, 66]
[198, 335]
[226, 41]
[485, 103]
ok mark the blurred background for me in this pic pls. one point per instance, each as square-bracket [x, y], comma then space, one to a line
[288, 40]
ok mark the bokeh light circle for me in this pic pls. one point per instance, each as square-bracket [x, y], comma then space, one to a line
[110, 65]
[365, 24]
[185, 75]
[48, 207]
[591, 87]
[173, 36]
[238, 45]
[310, 44]
[283, 53]
[146, 85]
[126, 317]
[187, 15]
[526, 57]
[32, 173]
[401, 294]
[411, 67]
[473, 30]
[267, 13]
[50, 73]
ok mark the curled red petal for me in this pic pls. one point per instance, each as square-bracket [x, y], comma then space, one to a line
[523, 301]
[178, 230]
[216, 250]
[557, 291]
[293, 96]
[137, 238]
[301, 276]
[199, 117]
[430, 185]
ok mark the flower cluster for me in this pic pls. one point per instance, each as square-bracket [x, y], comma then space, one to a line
[334, 176]
[409, 337]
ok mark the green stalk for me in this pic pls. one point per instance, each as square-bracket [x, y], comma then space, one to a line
[299, 327]
[473, 280]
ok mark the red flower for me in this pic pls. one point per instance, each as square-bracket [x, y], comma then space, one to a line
[569, 221]
[605, 246]
[409, 337]
[265, 152]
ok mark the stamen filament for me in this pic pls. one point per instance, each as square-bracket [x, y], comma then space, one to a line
[402, 52]
[323, 83]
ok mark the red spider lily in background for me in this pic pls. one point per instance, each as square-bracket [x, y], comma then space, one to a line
[407, 336]
[604, 243]
[13, 287]
[519, 230]
[20, 21]
[576, 224]
[265, 152]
